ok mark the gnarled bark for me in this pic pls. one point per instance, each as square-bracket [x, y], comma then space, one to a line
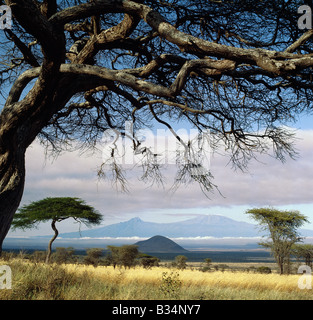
[12, 177]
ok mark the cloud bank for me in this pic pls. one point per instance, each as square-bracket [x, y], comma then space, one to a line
[268, 182]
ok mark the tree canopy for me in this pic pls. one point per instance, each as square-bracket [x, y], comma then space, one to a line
[304, 251]
[72, 69]
[282, 228]
[124, 255]
[55, 210]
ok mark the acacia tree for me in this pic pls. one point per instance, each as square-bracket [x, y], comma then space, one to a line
[72, 69]
[93, 256]
[124, 255]
[55, 210]
[281, 227]
[304, 251]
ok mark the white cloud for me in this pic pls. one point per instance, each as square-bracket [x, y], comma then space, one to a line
[269, 183]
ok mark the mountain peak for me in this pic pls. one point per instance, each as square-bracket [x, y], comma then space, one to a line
[136, 219]
[159, 244]
[210, 219]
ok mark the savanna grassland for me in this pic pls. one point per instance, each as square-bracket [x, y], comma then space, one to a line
[38, 281]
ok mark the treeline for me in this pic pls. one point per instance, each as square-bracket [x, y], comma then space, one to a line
[126, 256]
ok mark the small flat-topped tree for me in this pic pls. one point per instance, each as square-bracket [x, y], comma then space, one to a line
[55, 210]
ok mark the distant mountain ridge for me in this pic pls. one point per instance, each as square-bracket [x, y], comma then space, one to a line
[217, 226]
[201, 226]
[159, 244]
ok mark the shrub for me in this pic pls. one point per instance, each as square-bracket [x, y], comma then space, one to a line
[208, 262]
[170, 285]
[264, 269]
[207, 266]
[38, 256]
[93, 256]
[221, 267]
[180, 262]
[149, 262]
[205, 269]
[251, 268]
[123, 256]
[63, 255]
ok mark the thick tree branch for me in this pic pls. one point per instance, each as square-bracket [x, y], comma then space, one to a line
[272, 61]
[122, 76]
[20, 84]
[50, 36]
[305, 37]
[128, 78]
[158, 62]
[207, 66]
[48, 8]
[118, 32]
[85, 10]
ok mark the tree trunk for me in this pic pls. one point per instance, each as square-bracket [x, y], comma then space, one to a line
[12, 178]
[16, 137]
[56, 233]
[281, 265]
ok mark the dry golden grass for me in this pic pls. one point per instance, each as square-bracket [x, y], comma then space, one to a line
[239, 280]
[195, 279]
[82, 282]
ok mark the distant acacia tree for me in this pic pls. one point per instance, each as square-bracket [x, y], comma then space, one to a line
[63, 255]
[124, 255]
[55, 210]
[281, 227]
[148, 262]
[93, 256]
[180, 262]
[304, 251]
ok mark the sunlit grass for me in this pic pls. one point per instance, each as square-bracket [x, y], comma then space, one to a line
[82, 282]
